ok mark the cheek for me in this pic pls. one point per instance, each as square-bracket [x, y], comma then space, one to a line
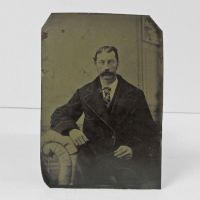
[114, 68]
[99, 69]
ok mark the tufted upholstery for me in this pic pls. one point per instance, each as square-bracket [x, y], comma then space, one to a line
[58, 159]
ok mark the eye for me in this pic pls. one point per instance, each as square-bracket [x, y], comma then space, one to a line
[101, 62]
[110, 62]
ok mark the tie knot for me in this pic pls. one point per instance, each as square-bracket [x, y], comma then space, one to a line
[107, 89]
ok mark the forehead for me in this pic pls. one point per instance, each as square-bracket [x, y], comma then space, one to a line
[106, 55]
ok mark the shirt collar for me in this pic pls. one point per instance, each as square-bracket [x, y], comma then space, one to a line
[113, 85]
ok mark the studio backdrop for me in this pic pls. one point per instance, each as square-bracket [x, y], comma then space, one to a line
[75, 50]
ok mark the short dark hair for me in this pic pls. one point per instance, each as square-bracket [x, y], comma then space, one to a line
[106, 49]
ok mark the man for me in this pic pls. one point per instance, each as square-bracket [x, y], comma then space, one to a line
[119, 137]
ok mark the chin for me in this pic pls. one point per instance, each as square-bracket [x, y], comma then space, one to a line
[108, 77]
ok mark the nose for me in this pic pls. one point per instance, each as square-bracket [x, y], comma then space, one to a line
[106, 65]
[106, 69]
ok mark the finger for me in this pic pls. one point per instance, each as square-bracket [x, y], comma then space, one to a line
[85, 138]
[120, 152]
[81, 140]
[122, 155]
[119, 149]
[78, 139]
[77, 142]
[74, 141]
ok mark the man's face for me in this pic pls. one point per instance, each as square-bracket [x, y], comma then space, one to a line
[106, 65]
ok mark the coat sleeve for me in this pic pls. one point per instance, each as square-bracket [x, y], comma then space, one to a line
[146, 140]
[64, 117]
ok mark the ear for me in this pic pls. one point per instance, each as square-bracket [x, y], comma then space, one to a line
[94, 61]
[117, 64]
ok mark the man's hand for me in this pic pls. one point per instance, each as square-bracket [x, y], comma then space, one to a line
[124, 152]
[78, 137]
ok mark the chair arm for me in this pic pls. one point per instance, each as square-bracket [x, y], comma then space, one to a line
[66, 141]
[59, 158]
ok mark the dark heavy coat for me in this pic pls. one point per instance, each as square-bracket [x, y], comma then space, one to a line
[129, 121]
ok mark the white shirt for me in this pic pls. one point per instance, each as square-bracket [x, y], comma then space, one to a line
[113, 87]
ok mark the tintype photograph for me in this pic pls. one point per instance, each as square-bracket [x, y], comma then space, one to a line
[102, 99]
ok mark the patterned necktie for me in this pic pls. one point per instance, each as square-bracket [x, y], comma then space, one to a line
[107, 99]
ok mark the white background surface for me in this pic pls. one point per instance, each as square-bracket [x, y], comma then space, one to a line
[21, 23]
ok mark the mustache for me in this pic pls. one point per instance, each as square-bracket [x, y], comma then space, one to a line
[106, 73]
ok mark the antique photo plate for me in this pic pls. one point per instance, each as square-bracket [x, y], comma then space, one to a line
[102, 100]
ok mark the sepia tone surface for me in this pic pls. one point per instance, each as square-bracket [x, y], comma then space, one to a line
[69, 43]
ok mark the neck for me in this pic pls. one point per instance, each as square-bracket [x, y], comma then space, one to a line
[107, 82]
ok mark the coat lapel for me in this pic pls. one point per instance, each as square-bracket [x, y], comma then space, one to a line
[124, 101]
[95, 102]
